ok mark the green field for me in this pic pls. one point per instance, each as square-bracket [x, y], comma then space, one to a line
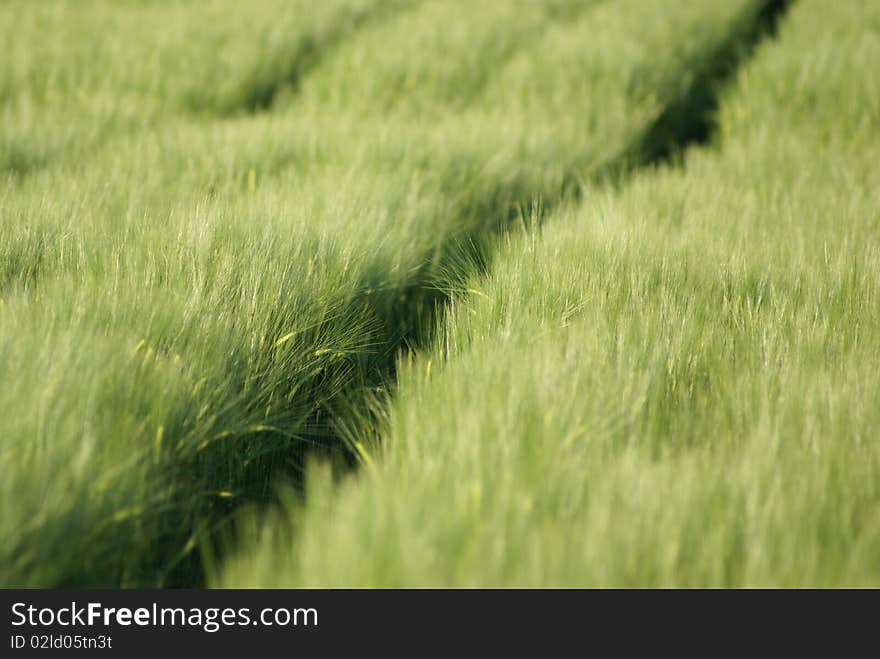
[440, 293]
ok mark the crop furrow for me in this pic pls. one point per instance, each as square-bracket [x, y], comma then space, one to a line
[690, 119]
[285, 69]
[423, 303]
[64, 102]
[668, 385]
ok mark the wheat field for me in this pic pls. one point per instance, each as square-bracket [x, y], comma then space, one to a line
[382, 293]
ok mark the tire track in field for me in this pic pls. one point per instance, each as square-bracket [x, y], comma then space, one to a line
[253, 95]
[690, 120]
[259, 93]
[687, 120]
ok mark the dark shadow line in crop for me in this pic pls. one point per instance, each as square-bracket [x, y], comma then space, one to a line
[254, 95]
[688, 120]
[18, 163]
[259, 94]
[691, 119]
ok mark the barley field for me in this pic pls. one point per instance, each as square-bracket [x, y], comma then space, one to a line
[439, 293]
